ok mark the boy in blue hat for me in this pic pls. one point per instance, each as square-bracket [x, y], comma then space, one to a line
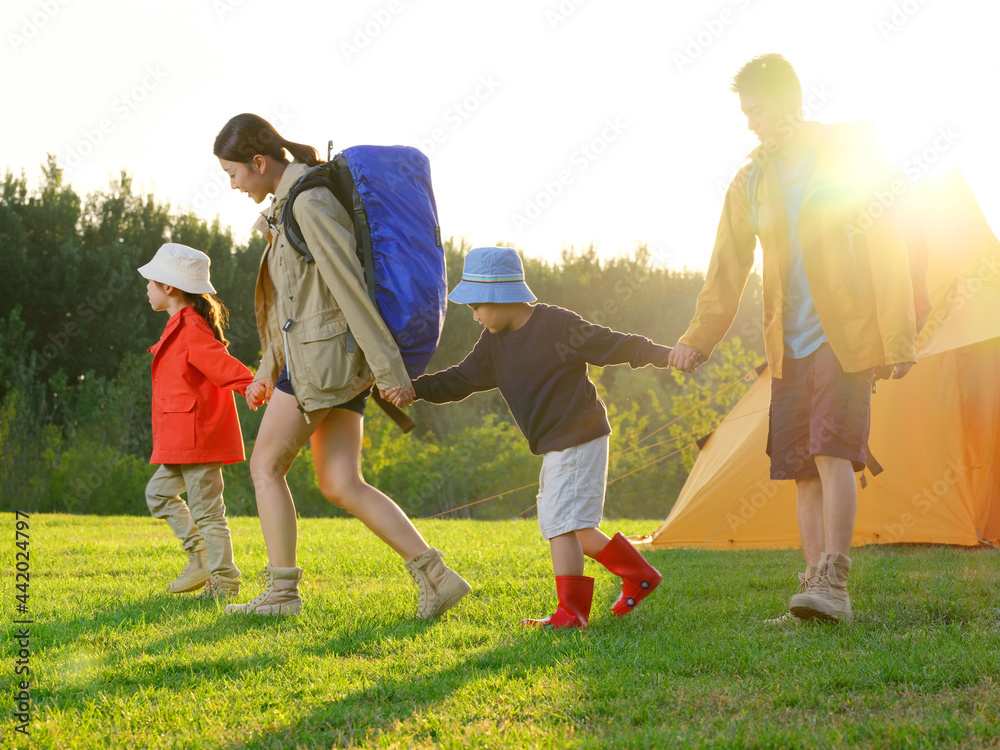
[537, 356]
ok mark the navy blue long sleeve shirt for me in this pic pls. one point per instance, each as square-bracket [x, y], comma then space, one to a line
[541, 372]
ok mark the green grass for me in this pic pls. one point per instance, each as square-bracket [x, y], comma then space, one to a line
[118, 663]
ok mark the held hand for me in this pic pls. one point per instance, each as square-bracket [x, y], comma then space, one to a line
[398, 397]
[259, 392]
[685, 358]
[253, 394]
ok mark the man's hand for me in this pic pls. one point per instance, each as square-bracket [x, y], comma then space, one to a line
[900, 369]
[895, 371]
[685, 358]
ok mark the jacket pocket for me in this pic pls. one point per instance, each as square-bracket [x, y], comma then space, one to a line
[325, 358]
[178, 416]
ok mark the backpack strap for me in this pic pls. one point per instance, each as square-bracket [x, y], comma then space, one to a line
[363, 237]
[324, 175]
[318, 176]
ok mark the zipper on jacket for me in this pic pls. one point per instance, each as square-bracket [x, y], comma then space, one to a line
[288, 365]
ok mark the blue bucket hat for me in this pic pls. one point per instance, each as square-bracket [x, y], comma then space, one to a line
[492, 275]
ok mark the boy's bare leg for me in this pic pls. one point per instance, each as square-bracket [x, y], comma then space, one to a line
[569, 549]
[593, 541]
[567, 554]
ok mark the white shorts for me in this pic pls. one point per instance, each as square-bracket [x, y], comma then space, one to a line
[571, 488]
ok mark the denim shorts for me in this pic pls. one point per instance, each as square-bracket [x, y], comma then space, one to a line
[356, 404]
[817, 409]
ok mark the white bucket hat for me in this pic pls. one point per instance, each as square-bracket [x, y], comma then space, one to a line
[180, 266]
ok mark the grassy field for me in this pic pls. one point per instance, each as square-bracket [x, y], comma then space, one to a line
[118, 663]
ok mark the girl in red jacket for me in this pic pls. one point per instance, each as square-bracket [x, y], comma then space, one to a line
[195, 427]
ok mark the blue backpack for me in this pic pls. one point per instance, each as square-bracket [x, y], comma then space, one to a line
[387, 190]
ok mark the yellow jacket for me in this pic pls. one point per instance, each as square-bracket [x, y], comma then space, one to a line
[322, 299]
[852, 249]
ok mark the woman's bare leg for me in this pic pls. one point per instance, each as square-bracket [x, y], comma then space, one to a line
[336, 446]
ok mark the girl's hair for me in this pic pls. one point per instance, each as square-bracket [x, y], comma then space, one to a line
[213, 311]
[247, 135]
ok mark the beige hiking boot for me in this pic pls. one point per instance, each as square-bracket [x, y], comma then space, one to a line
[220, 588]
[788, 618]
[441, 588]
[825, 597]
[194, 576]
[279, 597]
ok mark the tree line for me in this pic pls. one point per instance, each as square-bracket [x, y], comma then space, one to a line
[75, 327]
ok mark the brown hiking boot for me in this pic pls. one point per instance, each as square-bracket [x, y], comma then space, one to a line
[441, 588]
[825, 597]
[194, 576]
[279, 597]
[220, 588]
[788, 618]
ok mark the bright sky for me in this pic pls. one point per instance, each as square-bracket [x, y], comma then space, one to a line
[548, 122]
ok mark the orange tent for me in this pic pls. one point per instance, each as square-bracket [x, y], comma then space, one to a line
[934, 431]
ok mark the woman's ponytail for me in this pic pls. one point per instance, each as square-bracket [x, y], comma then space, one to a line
[247, 135]
[302, 153]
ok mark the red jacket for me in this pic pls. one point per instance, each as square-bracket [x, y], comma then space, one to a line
[194, 419]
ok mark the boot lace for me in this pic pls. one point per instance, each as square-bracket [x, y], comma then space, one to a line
[266, 582]
[421, 582]
[194, 561]
[819, 583]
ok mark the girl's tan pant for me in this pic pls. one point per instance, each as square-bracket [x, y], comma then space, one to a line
[200, 521]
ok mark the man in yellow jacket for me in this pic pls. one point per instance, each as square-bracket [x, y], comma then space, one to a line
[838, 305]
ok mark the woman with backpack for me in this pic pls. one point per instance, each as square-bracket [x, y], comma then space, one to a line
[314, 383]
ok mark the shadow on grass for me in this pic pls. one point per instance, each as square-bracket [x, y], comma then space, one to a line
[361, 715]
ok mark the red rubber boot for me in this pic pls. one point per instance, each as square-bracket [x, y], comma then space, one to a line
[576, 593]
[639, 578]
